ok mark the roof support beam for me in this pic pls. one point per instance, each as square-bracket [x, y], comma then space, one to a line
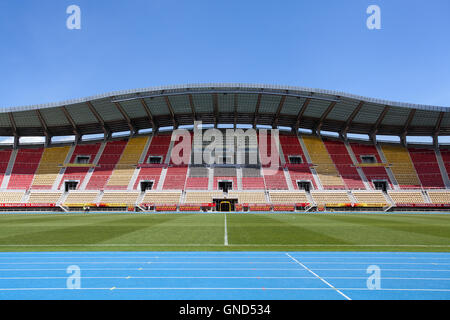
[235, 109]
[172, 114]
[14, 129]
[106, 130]
[75, 130]
[127, 118]
[437, 127]
[406, 127]
[191, 103]
[215, 108]
[302, 111]
[48, 137]
[277, 114]
[347, 125]
[380, 119]
[324, 116]
[149, 115]
[258, 103]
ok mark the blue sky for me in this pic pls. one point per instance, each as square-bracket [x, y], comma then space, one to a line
[136, 43]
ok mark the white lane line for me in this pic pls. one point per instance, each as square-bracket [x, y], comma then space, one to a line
[144, 257]
[212, 269]
[225, 241]
[382, 263]
[220, 245]
[218, 262]
[224, 256]
[315, 274]
[161, 269]
[141, 262]
[186, 277]
[200, 254]
[216, 289]
[384, 269]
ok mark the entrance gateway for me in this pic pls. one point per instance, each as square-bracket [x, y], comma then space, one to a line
[225, 205]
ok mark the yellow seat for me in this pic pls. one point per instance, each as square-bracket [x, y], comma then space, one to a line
[49, 167]
[124, 169]
[401, 165]
[288, 197]
[325, 168]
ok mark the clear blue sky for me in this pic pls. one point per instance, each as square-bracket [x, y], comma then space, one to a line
[137, 43]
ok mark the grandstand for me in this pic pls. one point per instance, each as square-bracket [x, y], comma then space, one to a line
[132, 164]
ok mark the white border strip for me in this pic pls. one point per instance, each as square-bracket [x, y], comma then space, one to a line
[321, 279]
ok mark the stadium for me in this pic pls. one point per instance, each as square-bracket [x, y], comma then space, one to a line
[105, 189]
[318, 168]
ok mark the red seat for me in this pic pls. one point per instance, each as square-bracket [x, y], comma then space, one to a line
[344, 164]
[371, 173]
[26, 164]
[427, 168]
[106, 164]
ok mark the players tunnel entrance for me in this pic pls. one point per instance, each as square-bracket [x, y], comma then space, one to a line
[225, 205]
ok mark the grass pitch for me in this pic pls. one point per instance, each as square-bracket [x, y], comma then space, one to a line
[208, 232]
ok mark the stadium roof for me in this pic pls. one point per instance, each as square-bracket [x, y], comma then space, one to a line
[271, 105]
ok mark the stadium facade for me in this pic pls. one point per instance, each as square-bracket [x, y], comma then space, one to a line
[133, 165]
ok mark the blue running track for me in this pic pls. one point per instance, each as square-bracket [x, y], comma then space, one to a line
[224, 275]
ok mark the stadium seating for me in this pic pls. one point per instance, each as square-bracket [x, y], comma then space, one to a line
[159, 147]
[401, 165]
[253, 183]
[162, 198]
[288, 197]
[225, 174]
[439, 196]
[291, 147]
[326, 169]
[252, 179]
[370, 197]
[128, 198]
[49, 167]
[81, 197]
[175, 178]
[176, 175]
[248, 197]
[5, 155]
[445, 153]
[125, 167]
[11, 197]
[201, 197]
[406, 196]
[108, 160]
[44, 197]
[27, 161]
[148, 174]
[197, 183]
[321, 197]
[79, 173]
[427, 168]
[37, 170]
[275, 179]
[344, 164]
[375, 172]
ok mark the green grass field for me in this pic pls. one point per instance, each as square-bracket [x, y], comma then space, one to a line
[207, 232]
